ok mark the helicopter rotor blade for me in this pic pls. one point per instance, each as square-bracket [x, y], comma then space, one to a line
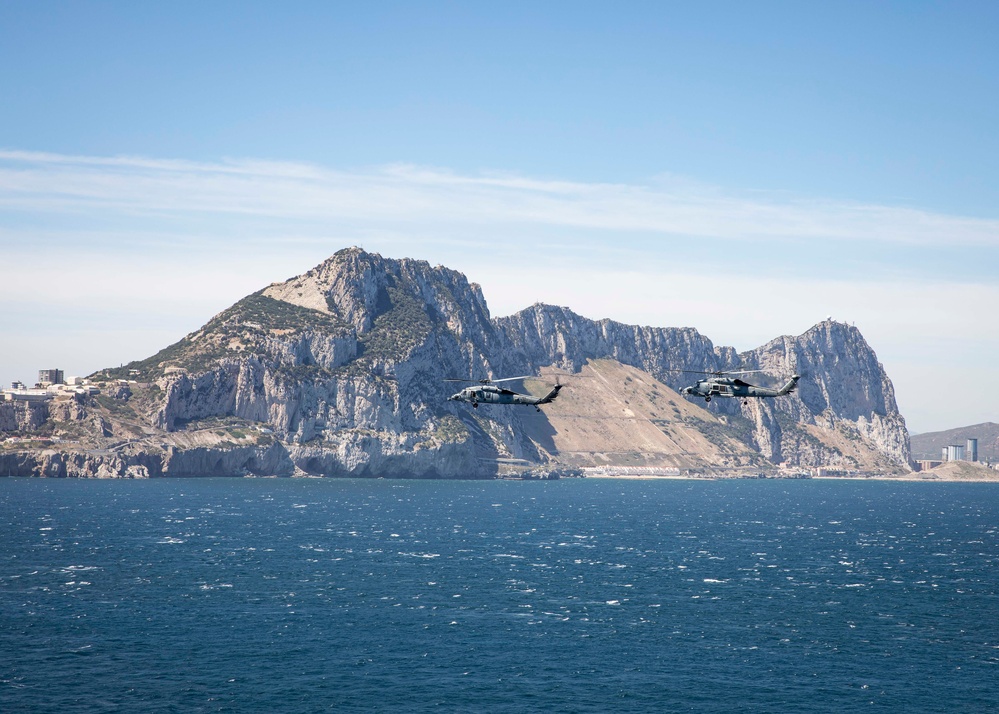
[487, 380]
[717, 372]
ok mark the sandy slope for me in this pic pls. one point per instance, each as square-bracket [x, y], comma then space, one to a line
[958, 471]
[612, 414]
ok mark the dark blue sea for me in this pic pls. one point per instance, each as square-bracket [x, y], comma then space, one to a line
[582, 595]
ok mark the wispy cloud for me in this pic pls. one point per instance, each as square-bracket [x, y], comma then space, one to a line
[402, 194]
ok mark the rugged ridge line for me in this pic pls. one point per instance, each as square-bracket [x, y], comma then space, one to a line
[844, 385]
[339, 371]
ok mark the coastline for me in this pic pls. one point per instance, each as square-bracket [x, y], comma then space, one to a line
[979, 475]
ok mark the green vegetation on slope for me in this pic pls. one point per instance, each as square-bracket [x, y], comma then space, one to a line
[237, 331]
[403, 326]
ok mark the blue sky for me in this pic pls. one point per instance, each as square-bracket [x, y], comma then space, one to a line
[746, 169]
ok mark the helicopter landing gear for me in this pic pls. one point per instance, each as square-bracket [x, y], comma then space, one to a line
[475, 405]
[537, 409]
[707, 399]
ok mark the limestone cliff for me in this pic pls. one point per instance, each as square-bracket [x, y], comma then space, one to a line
[22, 416]
[340, 371]
[844, 394]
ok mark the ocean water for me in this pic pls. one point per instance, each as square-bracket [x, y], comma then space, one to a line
[243, 595]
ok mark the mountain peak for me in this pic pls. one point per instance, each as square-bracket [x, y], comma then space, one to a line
[358, 287]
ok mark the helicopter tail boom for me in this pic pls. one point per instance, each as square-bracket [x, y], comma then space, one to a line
[789, 387]
[550, 397]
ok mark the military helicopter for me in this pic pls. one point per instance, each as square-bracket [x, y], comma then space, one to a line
[721, 384]
[485, 391]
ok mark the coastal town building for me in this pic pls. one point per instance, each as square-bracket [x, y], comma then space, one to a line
[50, 376]
[51, 384]
[27, 395]
[960, 452]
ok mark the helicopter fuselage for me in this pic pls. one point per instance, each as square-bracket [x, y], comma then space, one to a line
[735, 388]
[490, 394]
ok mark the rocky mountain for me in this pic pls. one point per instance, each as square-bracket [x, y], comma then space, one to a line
[339, 372]
[844, 394]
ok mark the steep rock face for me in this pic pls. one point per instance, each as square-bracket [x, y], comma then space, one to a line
[233, 387]
[71, 409]
[272, 460]
[405, 455]
[545, 335]
[843, 386]
[57, 464]
[22, 416]
[843, 373]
